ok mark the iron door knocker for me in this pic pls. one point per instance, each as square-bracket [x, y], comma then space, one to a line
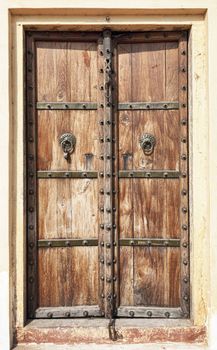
[147, 142]
[67, 142]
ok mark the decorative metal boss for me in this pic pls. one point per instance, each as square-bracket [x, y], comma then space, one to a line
[147, 142]
[67, 142]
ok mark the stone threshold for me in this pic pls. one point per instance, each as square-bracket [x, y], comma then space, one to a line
[130, 331]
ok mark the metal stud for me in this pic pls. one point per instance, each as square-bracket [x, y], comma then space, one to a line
[101, 191]
[167, 314]
[185, 279]
[31, 279]
[102, 244]
[108, 210]
[184, 192]
[183, 105]
[101, 174]
[102, 209]
[102, 226]
[101, 139]
[183, 121]
[102, 278]
[108, 227]
[131, 313]
[31, 227]
[184, 88]
[101, 122]
[183, 52]
[184, 174]
[184, 227]
[85, 313]
[102, 296]
[184, 140]
[149, 313]
[67, 314]
[108, 245]
[185, 297]
[185, 262]
[185, 244]
[184, 210]
[108, 279]
[183, 157]
[49, 315]
[31, 209]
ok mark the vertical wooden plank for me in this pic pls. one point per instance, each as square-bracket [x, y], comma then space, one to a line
[172, 72]
[125, 157]
[148, 272]
[73, 278]
[148, 72]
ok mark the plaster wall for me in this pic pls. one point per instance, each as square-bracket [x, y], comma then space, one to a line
[15, 16]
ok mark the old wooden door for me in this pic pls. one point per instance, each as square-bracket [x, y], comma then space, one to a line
[107, 175]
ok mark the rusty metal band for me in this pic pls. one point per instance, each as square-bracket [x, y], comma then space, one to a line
[149, 242]
[66, 106]
[148, 106]
[164, 174]
[53, 243]
[108, 180]
[68, 312]
[184, 182]
[31, 183]
[41, 174]
[150, 312]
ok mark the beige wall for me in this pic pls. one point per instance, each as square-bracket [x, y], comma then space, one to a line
[203, 113]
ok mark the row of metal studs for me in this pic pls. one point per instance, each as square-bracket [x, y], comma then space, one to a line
[31, 181]
[185, 282]
[109, 209]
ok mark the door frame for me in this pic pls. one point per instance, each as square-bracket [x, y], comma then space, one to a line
[198, 128]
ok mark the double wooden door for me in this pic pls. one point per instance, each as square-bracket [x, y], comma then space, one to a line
[107, 175]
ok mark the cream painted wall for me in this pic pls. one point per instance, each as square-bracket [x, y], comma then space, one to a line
[203, 139]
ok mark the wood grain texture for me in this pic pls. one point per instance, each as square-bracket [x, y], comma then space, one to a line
[67, 208]
[69, 70]
[83, 125]
[69, 276]
[149, 208]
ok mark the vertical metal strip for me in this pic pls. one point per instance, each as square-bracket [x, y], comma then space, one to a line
[116, 178]
[101, 194]
[109, 209]
[31, 189]
[184, 207]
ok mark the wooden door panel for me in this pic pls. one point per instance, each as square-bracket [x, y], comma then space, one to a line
[148, 72]
[53, 124]
[149, 208]
[107, 223]
[69, 70]
[67, 208]
[164, 125]
[149, 277]
[71, 274]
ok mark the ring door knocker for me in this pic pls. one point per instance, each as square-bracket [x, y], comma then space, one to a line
[147, 142]
[67, 142]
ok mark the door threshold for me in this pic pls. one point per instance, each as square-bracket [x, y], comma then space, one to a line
[96, 331]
